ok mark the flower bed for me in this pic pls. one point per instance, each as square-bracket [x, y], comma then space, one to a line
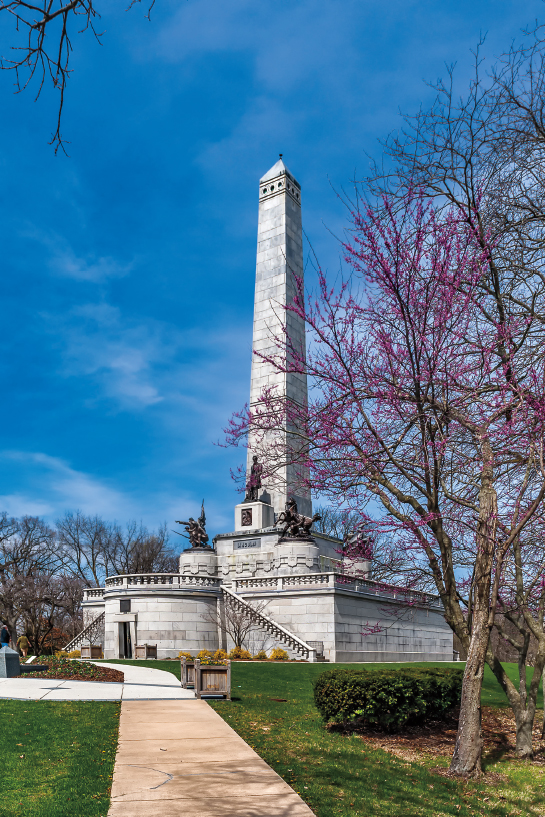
[63, 668]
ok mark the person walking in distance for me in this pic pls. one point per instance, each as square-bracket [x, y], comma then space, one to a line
[5, 637]
[22, 644]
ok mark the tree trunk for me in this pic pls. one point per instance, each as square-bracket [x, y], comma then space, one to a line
[466, 760]
[525, 725]
[543, 725]
[523, 701]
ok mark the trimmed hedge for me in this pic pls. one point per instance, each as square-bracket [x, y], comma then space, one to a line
[387, 699]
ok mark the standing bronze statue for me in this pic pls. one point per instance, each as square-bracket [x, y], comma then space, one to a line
[198, 536]
[254, 483]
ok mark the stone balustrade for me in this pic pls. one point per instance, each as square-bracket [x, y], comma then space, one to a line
[331, 579]
[173, 580]
[337, 581]
[93, 593]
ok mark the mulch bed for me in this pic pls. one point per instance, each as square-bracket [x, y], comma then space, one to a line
[498, 728]
[65, 669]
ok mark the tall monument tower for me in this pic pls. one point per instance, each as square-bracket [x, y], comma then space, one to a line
[279, 260]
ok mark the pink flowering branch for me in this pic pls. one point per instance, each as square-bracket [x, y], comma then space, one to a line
[427, 398]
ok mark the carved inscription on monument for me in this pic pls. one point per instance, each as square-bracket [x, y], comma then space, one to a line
[244, 544]
[246, 517]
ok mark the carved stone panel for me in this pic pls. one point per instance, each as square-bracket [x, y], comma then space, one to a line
[246, 517]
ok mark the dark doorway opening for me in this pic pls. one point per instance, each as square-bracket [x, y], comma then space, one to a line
[127, 645]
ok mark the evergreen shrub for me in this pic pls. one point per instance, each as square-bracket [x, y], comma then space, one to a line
[387, 699]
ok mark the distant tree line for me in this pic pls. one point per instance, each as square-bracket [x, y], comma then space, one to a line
[44, 570]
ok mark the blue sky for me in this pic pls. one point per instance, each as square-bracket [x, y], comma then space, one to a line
[128, 267]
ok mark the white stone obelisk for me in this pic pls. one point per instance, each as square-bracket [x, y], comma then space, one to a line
[279, 262]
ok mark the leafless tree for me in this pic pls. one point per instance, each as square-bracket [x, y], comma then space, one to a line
[93, 548]
[484, 153]
[233, 620]
[85, 542]
[336, 522]
[69, 614]
[42, 43]
[136, 550]
[29, 562]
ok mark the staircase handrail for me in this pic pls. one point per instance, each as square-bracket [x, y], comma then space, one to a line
[85, 634]
[282, 633]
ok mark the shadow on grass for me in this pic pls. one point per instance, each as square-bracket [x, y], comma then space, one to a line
[339, 774]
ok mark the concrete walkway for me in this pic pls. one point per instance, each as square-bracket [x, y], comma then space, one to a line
[181, 758]
[141, 683]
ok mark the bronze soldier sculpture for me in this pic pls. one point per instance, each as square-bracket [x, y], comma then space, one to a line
[296, 524]
[198, 536]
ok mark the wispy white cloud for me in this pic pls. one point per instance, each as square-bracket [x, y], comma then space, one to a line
[137, 363]
[63, 261]
[21, 504]
[53, 486]
[283, 45]
[67, 264]
[118, 353]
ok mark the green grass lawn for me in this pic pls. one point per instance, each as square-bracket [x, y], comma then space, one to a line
[57, 757]
[493, 694]
[341, 775]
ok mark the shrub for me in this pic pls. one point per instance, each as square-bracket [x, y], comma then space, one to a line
[387, 699]
[220, 655]
[63, 654]
[202, 654]
[279, 654]
[240, 654]
[187, 655]
[261, 656]
[212, 660]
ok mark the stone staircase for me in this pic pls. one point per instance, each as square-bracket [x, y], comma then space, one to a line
[89, 634]
[275, 630]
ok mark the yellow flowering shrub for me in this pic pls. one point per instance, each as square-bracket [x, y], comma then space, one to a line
[279, 654]
[240, 654]
[63, 654]
[187, 655]
[261, 656]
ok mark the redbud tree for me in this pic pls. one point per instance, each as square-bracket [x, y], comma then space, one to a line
[426, 416]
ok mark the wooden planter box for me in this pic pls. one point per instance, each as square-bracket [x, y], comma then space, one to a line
[145, 651]
[188, 673]
[213, 680]
[92, 651]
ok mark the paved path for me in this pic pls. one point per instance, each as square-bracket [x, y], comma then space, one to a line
[179, 758]
[141, 683]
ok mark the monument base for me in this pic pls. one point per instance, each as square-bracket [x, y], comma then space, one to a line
[199, 562]
[10, 665]
[253, 516]
[296, 555]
